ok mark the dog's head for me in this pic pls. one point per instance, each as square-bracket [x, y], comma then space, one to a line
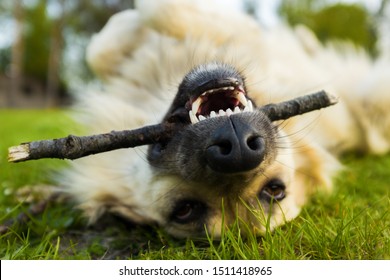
[225, 162]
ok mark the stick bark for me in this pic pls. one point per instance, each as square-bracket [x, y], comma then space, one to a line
[73, 147]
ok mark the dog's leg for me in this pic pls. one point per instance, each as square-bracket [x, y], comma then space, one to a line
[118, 39]
[190, 19]
[370, 104]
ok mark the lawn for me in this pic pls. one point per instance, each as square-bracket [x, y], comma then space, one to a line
[352, 223]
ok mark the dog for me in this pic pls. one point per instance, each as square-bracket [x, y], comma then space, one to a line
[175, 61]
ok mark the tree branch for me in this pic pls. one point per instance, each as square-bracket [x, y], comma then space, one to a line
[73, 147]
[298, 106]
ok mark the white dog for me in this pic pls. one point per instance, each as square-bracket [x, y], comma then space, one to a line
[174, 61]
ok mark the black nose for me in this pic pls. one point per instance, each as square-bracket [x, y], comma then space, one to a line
[235, 147]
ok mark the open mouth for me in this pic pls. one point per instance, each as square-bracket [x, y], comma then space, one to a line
[219, 102]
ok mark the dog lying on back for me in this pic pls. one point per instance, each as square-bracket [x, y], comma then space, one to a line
[173, 61]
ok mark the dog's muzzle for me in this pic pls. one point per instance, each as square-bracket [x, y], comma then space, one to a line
[235, 147]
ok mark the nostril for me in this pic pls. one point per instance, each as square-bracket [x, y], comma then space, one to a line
[254, 143]
[225, 147]
[234, 146]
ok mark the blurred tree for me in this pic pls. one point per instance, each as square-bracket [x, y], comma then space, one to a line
[55, 54]
[5, 59]
[382, 8]
[37, 41]
[93, 14]
[16, 67]
[43, 29]
[333, 21]
[251, 7]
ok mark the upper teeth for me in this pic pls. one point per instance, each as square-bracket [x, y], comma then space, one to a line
[194, 119]
[216, 90]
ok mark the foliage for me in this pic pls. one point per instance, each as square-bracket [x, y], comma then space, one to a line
[92, 14]
[51, 29]
[5, 59]
[37, 41]
[333, 21]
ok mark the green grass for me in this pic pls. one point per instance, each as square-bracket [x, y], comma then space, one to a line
[352, 223]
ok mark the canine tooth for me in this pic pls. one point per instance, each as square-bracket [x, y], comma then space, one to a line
[221, 113]
[213, 114]
[225, 88]
[246, 109]
[196, 105]
[229, 112]
[250, 105]
[201, 118]
[231, 88]
[241, 97]
[193, 118]
[236, 110]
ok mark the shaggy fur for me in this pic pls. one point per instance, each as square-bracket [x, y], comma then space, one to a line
[142, 56]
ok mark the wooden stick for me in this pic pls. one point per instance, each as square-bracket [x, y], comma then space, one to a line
[73, 147]
[298, 106]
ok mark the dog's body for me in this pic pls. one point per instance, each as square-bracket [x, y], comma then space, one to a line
[147, 56]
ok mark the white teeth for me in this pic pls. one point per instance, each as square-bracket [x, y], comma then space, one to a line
[248, 107]
[241, 97]
[229, 112]
[193, 118]
[196, 105]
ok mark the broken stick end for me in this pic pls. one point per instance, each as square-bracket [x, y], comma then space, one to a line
[333, 99]
[18, 153]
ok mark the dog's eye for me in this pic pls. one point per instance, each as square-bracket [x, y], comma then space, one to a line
[187, 211]
[274, 189]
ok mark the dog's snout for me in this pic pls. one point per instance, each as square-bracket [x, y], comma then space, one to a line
[235, 147]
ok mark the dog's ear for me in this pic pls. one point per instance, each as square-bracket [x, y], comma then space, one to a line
[314, 170]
